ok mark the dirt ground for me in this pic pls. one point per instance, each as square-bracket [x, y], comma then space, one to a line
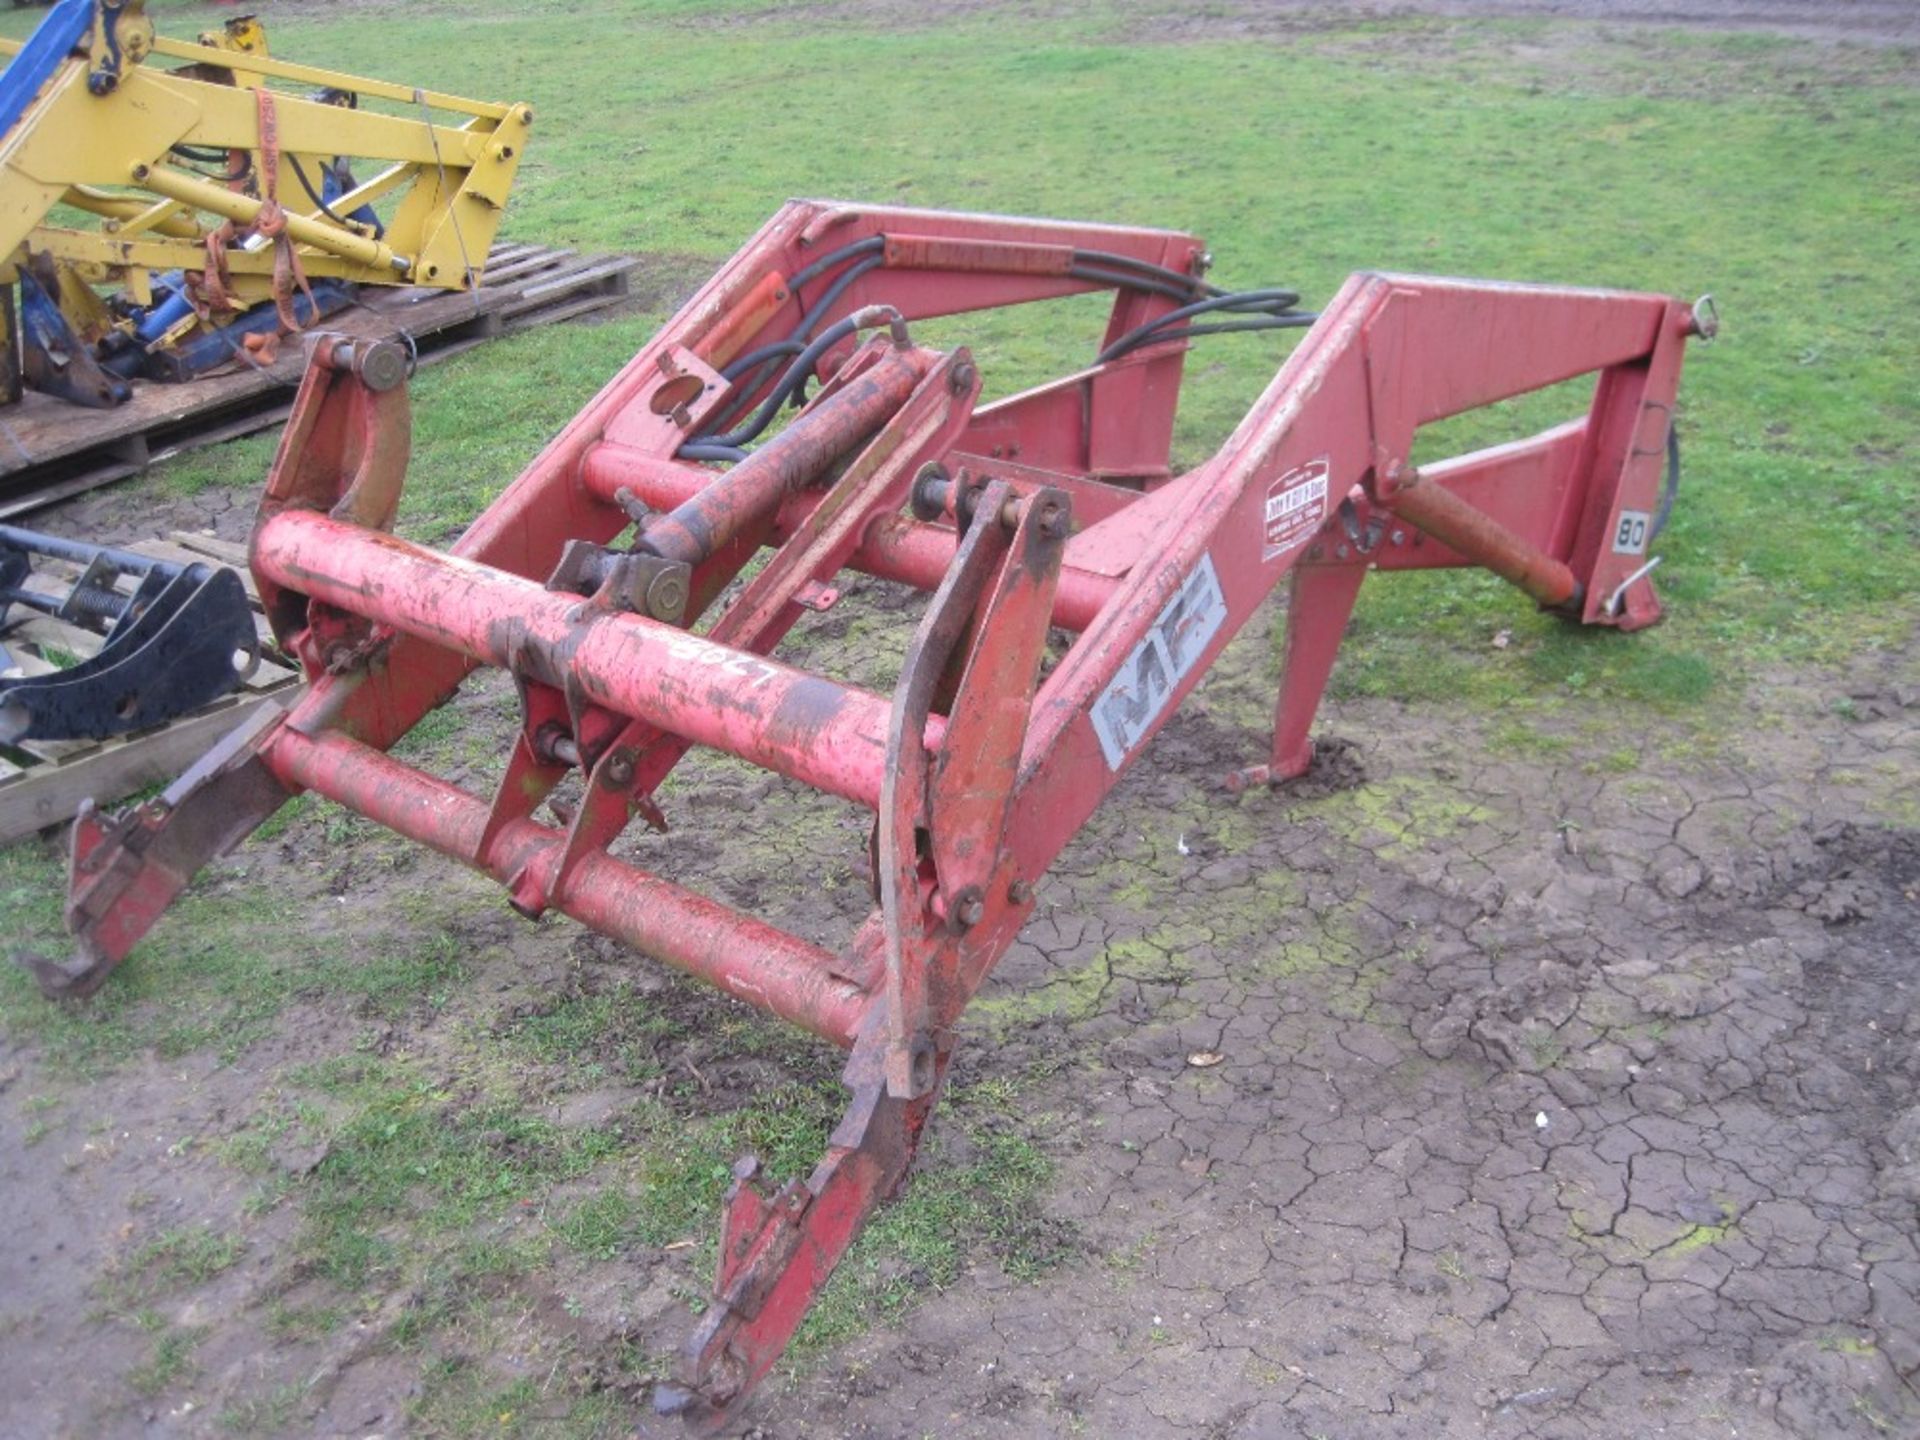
[1470, 1088]
[1567, 1093]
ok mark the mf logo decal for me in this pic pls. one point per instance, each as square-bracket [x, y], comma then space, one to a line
[1179, 636]
[1296, 506]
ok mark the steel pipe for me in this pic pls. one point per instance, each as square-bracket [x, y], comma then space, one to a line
[894, 547]
[733, 952]
[1467, 528]
[751, 491]
[830, 736]
[245, 209]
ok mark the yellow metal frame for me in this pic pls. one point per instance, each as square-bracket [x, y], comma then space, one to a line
[112, 156]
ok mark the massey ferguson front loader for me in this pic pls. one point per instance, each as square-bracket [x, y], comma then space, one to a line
[592, 579]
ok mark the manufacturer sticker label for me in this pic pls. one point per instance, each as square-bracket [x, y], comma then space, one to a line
[1630, 535]
[1139, 692]
[1296, 506]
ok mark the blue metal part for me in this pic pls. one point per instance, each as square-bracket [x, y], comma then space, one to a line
[209, 349]
[336, 181]
[56, 361]
[52, 41]
[163, 315]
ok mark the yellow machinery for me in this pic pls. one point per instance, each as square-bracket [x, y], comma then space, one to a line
[220, 193]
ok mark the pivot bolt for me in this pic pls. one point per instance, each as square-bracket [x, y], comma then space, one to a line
[667, 596]
[931, 487]
[967, 909]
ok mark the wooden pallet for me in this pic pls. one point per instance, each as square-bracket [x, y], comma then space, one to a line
[50, 450]
[42, 782]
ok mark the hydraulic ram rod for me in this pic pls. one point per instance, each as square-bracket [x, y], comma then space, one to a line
[824, 734]
[894, 547]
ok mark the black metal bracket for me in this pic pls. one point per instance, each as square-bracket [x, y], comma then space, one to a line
[184, 636]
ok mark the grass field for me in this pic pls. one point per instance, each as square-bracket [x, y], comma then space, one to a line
[1785, 181]
[1685, 164]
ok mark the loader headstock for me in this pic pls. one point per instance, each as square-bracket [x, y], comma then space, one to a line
[593, 578]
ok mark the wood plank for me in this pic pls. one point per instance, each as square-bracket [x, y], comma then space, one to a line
[59, 450]
[570, 280]
[527, 265]
[51, 795]
[44, 630]
[227, 552]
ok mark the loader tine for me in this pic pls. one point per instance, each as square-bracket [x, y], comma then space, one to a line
[779, 1250]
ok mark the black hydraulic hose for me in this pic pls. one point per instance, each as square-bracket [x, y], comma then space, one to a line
[300, 174]
[735, 368]
[1123, 280]
[1106, 259]
[827, 262]
[1231, 327]
[709, 450]
[1670, 491]
[795, 376]
[815, 313]
[1270, 302]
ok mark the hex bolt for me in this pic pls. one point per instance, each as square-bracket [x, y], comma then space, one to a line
[962, 377]
[618, 771]
[1019, 892]
[1053, 520]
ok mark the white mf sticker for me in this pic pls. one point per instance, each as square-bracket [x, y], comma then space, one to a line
[1296, 506]
[1630, 535]
[1134, 698]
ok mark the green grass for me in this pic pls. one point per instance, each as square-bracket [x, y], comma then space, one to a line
[170, 1359]
[1736, 165]
[185, 1257]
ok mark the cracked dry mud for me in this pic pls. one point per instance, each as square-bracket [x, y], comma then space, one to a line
[1558, 1099]
[1562, 1093]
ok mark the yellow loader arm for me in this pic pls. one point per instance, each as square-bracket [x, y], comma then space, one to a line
[235, 143]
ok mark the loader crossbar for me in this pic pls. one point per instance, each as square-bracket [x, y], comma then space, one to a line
[1056, 510]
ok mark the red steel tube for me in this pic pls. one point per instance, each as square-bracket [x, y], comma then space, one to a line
[1467, 528]
[752, 490]
[830, 736]
[894, 546]
[897, 548]
[734, 952]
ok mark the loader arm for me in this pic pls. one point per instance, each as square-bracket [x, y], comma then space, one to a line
[1053, 510]
[218, 177]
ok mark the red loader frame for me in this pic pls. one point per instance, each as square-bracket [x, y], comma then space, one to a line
[1054, 508]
